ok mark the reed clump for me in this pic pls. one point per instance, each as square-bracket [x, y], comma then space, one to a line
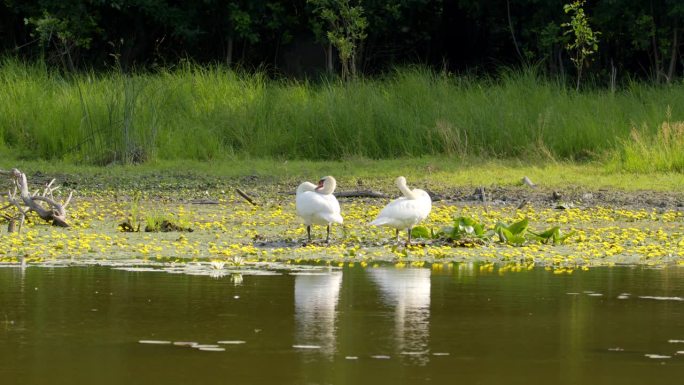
[211, 112]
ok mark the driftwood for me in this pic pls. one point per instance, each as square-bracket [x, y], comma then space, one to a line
[360, 194]
[350, 194]
[42, 203]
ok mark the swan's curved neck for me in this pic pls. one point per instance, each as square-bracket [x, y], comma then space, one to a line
[306, 186]
[401, 184]
[329, 185]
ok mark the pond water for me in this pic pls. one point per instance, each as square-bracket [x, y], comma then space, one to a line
[456, 324]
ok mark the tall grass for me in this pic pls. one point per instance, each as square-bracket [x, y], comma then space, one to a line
[202, 113]
[663, 151]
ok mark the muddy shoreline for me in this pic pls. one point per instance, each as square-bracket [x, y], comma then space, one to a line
[189, 186]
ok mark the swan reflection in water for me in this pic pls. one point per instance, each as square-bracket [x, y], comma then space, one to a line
[408, 291]
[316, 297]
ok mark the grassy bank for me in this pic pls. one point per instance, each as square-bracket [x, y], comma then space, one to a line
[201, 113]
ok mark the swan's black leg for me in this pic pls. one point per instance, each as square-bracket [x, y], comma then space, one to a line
[308, 232]
[397, 234]
[327, 238]
[409, 236]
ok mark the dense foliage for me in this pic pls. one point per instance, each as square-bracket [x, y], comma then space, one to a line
[637, 37]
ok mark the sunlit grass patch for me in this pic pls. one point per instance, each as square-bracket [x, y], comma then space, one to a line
[664, 151]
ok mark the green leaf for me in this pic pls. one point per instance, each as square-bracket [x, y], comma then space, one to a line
[516, 240]
[420, 232]
[559, 239]
[546, 235]
[519, 228]
[504, 234]
[550, 232]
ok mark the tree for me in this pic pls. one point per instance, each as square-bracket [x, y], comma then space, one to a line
[346, 29]
[584, 41]
[63, 29]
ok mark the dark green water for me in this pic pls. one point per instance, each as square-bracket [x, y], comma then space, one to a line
[82, 325]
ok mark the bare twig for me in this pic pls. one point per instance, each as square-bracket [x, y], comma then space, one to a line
[484, 200]
[247, 197]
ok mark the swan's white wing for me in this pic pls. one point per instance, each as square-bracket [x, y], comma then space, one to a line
[318, 208]
[401, 213]
[332, 212]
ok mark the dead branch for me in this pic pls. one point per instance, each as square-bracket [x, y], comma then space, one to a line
[43, 204]
[350, 194]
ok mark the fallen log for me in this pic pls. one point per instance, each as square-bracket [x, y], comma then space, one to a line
[360, 194]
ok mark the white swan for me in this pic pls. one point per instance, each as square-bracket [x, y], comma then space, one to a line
[407, 211]
[317, 205]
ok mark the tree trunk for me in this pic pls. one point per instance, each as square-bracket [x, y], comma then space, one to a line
[656, 57]
[579, 75]
[510, 27]
[352, 64]
[229, 52]
[673, 53]
[329, 59]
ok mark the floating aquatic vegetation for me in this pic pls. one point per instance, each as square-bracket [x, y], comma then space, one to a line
[138, 269]
[662, 298]
[205, 346]
[657, 356]
[185, 343]
[212, 349]
[595, 236]
[553, 234]
[154, 342]
[465, 231]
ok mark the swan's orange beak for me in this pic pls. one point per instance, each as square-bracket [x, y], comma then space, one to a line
[320, 184]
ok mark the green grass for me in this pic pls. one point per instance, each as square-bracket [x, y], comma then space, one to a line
[644, 152]
[211, 113]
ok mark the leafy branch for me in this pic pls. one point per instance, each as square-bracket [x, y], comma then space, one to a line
[585, 40]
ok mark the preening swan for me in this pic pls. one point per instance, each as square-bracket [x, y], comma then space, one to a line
[407, 211]
[317, 205]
